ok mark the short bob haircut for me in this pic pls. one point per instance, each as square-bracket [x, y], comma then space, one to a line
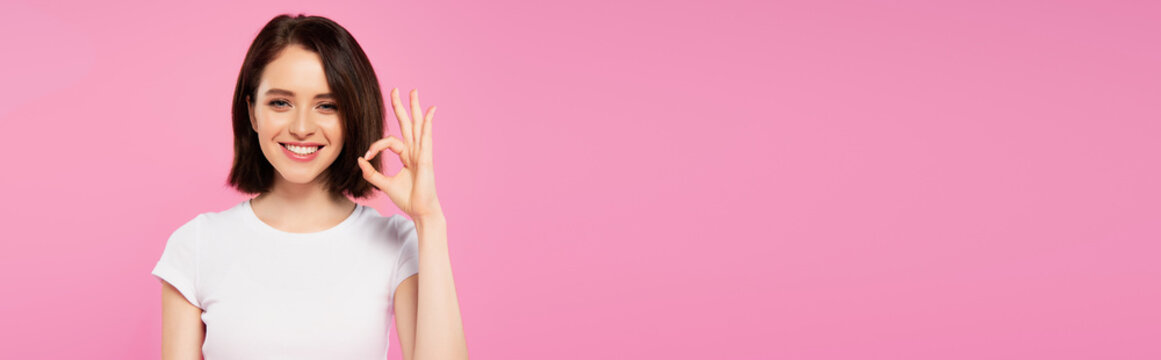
[352, 82]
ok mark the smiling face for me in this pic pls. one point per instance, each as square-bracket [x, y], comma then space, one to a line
[295, 116]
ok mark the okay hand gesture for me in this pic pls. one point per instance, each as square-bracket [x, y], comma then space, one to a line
[412, 189]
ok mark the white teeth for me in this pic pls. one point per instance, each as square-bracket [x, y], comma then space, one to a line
[301, 150]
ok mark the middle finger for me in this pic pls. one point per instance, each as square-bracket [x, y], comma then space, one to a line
[416, 117]
[404, 121]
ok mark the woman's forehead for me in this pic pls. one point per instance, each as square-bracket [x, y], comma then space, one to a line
[296, 71]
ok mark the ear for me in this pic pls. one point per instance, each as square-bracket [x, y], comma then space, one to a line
[250, 110]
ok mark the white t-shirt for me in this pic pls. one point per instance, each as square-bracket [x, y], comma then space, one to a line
[270, 294]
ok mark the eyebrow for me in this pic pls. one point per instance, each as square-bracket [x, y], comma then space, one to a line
[289, 93]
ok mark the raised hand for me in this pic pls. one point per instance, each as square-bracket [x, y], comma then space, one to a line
[412, 189]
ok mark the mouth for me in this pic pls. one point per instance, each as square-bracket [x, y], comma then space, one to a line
[301, 151]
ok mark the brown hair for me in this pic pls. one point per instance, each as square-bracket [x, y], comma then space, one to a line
[352, 81]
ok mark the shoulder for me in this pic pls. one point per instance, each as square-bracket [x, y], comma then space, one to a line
[402, 225]
[395, 227]
[204, 221]
[189, 230]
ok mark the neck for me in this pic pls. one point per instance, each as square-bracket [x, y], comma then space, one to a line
[301, 207]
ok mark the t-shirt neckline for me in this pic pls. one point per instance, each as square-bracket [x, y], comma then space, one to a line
[252, 218]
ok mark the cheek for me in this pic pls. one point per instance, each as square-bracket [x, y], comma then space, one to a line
[334, 133]
[264, 122]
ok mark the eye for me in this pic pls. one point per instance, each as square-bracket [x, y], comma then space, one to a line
[278, 103]
[329, 106]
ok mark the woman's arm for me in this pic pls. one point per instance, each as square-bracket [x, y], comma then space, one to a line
[182, 330]
[427, 311]
[436, 331]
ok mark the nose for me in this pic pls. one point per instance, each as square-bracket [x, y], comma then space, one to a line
[302, 125]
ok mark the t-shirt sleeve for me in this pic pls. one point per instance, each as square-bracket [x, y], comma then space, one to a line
[179, 261]
[408, 262]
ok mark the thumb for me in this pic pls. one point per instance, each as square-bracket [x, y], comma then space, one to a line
[373, 176]
[387, 184]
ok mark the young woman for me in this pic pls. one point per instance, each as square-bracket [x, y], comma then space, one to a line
[301, 271]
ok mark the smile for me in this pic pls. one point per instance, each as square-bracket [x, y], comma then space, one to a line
[301, 152]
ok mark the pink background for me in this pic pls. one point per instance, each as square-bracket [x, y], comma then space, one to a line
[641, 179]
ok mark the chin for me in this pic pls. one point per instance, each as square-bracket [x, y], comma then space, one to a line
[298, 178]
